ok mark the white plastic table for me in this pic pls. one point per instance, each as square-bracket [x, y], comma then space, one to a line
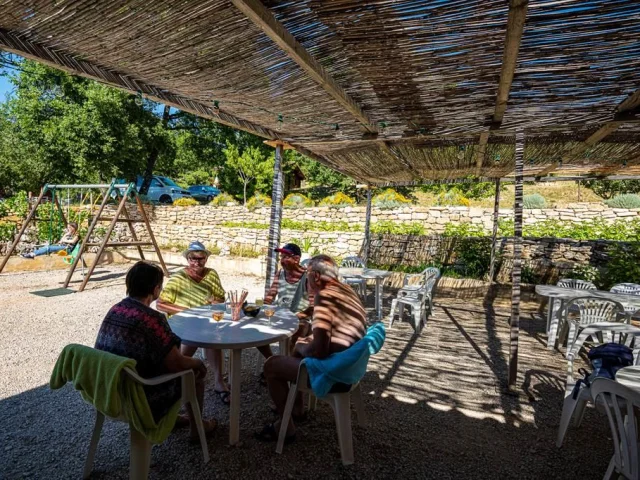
[196, 328]
[369, 274]
[629, 377]
[565, 294]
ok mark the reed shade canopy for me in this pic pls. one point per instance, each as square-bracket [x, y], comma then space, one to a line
[387, 92]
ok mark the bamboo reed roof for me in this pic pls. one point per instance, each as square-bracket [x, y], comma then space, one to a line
[386, 91]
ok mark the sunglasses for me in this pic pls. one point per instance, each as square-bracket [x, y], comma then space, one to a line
[197, 259]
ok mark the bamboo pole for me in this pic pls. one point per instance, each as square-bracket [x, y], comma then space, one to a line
[494, 236]
[517, 263]
[367, 229]
[275, 220]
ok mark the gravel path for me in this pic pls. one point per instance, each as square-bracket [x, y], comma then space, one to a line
[434, 402]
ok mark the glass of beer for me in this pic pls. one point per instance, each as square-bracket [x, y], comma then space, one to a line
[218, 315]
[269, 311]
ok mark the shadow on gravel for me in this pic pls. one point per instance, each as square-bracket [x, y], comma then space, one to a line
[434, 406]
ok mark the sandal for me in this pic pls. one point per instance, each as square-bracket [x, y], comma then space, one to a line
[269, 434]
[224, 396]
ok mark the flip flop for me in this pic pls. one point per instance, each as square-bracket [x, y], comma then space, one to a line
[269, 434]
[224, 396]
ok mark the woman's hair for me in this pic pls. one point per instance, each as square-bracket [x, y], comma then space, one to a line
[74, 225]
[324, 265]
[142, 279]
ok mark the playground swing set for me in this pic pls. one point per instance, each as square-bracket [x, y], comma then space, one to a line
[110, 193]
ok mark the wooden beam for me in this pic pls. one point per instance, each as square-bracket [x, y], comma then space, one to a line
[631, 102]
[481, 149]
[262, 17]
[14, 43]
[515, 27]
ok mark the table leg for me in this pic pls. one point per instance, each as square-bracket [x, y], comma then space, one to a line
[285, 346]
[549, 313]
[234, 415]
[379, 297]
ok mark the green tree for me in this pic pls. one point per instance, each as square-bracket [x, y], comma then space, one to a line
[610, 188]
[250, 164]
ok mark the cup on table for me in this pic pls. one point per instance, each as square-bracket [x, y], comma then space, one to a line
[217, 315]
[269, 312]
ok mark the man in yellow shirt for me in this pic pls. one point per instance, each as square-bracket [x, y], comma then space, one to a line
[191, 287]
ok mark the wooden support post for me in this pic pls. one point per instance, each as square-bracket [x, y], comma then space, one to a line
[17, 238]
[152, 237]
[367, 229]
[275, 218]
[517, 263]
[133, 231]
[494, 236]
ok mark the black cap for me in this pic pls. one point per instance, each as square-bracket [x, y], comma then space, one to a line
[289, 248]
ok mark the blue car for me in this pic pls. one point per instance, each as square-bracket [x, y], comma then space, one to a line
[203, 193]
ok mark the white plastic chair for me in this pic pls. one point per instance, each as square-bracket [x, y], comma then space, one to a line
[360, 283]
[589, 311]
[628, 288]
[554, 321]
[140, 448]
[419, 297]
[618, 333]
[619, 402]
[340, 404]
[576, 284]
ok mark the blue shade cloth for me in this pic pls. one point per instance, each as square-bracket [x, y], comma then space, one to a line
[348, 366]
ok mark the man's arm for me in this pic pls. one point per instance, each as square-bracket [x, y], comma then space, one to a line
[318, 344]
[273, 291]
[175, 362]
[166, 302]
[168, 307]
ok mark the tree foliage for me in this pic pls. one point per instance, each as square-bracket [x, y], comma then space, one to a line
[610, 188]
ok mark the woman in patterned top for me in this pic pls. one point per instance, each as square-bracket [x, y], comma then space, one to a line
[134, 330]
[191, 287]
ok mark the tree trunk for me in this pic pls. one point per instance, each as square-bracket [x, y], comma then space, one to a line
[153, 156]
[245, 193]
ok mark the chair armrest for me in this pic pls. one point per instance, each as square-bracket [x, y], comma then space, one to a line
[157, 380]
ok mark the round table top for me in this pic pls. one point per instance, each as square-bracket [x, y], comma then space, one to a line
[629, 377]
[197, 328]
[364, 272]
[569, 293]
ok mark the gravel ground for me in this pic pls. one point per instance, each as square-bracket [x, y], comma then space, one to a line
[434, 402]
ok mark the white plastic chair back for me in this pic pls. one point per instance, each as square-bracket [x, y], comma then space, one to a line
[594, 310]
[619, 402]
[574, 283]
[353, 262]
[628, 288]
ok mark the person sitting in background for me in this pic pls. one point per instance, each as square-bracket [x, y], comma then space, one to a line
[134, 330]
[289, 289]
[67, 242]
[339, 321]
[195, 286]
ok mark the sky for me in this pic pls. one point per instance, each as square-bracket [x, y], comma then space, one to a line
[5, 85]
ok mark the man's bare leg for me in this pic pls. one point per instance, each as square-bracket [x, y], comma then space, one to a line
[279, 370]
[266, 352]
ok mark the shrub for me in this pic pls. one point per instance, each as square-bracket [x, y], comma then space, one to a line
[463, 230]
[627, 200]
[241, 250]
[452, 198]
[534, 200]
[337, 200]
[297, 200]
[185, 202]
[4, 209]
[623, 265]
[7, 231]
[258, 201]
[223, 200]
[389, 199]
[398, 228]
[585, 272]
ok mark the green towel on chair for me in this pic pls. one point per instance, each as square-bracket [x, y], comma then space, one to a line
[98, 376]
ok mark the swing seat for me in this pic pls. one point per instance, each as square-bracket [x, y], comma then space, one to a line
[69, 258]
[62, 253]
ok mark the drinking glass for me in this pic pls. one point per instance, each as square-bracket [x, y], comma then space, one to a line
[269, 312]
[218, 315]
[259, 302]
